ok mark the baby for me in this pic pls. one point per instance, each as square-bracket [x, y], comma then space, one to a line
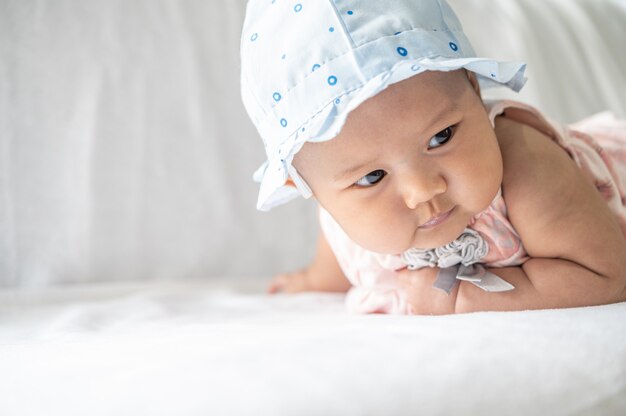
[432, 201]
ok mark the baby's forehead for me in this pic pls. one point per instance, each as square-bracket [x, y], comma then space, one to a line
[407, 108]
[421, 89]
[416, 101]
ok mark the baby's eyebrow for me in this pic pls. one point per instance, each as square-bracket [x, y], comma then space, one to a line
[445, 111]
[352, 170]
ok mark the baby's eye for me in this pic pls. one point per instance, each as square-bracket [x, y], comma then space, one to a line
[440, 138]
[371, 178]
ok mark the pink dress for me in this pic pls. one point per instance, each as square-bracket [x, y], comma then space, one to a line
[597, 145]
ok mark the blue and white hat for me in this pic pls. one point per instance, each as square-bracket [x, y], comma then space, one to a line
[305, 64]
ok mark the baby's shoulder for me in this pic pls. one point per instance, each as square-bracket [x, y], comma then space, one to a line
[535, 167]
[555, 209]
[524, 149]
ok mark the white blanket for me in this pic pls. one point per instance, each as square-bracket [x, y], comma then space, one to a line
[224, 348]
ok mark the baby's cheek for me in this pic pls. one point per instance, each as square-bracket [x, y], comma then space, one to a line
[379, 223]
[382, 236]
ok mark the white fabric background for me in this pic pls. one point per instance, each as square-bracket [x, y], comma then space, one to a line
[125, 151]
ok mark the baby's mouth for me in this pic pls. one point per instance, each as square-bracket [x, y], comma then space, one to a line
[437, 219]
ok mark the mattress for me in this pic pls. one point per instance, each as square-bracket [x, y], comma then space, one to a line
[224, 347]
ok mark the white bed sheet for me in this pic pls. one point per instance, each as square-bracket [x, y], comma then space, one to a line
[224, 348]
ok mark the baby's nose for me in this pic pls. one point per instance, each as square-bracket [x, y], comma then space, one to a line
[419, 186]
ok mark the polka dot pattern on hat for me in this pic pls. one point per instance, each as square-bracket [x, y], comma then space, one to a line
[306, 63]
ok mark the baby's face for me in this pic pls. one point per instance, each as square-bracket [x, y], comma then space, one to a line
[420, 148]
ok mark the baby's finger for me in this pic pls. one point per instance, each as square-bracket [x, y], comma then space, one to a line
[277, 284]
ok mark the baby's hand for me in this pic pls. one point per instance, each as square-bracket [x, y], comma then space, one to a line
[298, 281]
[423, 298]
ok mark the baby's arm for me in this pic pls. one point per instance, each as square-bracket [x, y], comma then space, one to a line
[322, 275]
[577, 250]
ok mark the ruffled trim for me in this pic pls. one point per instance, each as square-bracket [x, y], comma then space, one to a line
[467, 249]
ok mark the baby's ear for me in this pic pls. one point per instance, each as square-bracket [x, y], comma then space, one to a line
[472, 79]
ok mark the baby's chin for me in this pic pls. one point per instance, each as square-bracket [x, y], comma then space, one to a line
[431, 243]
[418, 240]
